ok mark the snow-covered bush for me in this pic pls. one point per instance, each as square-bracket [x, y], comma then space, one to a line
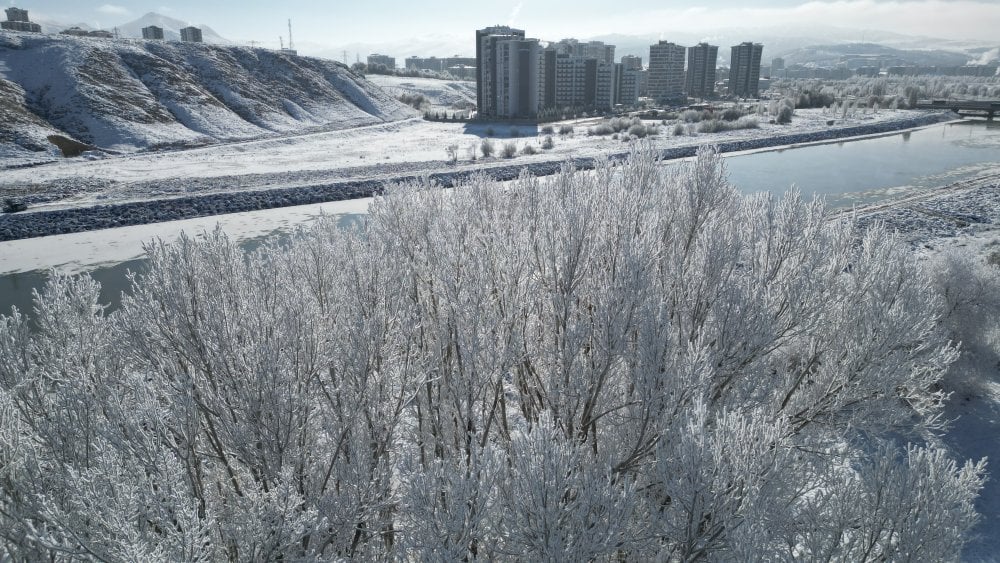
[631, 363]
[487, 147]
[509, 150]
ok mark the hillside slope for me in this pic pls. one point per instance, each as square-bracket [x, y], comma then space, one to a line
[134, 95]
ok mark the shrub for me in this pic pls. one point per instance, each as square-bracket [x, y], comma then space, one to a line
[487, 148]
[548, 143]
[490, 132]
[678, 130]
[452, 152]
[529, 150]
[547, 130]
[638, 131]
[601, 129]
[416, 101]
[565, 130]
[732, 114]
[691, 116]
[713, 126]
[509, 150]
[784, 115]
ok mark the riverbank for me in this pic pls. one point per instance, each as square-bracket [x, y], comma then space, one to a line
[151, 203]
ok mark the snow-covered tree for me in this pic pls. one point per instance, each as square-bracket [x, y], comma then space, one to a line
[632, 363]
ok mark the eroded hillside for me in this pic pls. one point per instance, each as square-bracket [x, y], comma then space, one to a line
[133, 95]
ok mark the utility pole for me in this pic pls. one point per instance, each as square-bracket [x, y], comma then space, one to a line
[291, 44]
[345, 58]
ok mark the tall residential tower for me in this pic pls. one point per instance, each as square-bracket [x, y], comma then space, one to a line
[744, 69]
[486, 64]
[666, 71]
[701, 70]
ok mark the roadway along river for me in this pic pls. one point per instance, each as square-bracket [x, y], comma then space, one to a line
[846, 173]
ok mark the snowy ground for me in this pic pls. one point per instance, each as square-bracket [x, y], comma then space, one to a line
[442, 95]
[378, 152]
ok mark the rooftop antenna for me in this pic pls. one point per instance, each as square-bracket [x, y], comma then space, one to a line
[291, 44]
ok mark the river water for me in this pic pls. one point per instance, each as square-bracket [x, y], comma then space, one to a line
[845, 173]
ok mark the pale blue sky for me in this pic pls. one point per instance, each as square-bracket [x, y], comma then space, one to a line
[329, 24]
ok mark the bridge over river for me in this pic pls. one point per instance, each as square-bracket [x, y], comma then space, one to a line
[972, 108]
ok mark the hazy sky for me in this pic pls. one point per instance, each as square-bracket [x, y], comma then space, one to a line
[327, 23]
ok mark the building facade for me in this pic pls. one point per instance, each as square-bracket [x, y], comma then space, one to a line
[744, 70]
[191, 34]
[17, 20]
[518, 75]
[778, 67]
[152, 32]
[632, 62]
[423, 63]
[384, 60]
[701, 61]
[628, 82]
[666, 71]
[487, 40]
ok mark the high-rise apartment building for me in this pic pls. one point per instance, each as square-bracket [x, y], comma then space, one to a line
[519, 77]
[385, 60]
[17, 20]
[192, 34]
[518, 73]
[666, 71]
[627, 83]
[152, 32]
[744, 69]
[778, 67]
[575, 81]
[701, 60]
[486, 65]
[632, 62]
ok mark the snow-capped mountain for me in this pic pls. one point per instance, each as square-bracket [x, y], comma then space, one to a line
[133, 94]
[171, 28]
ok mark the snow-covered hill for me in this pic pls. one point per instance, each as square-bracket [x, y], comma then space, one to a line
[133, 94]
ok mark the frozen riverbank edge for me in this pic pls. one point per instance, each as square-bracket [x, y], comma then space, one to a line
[14, 226]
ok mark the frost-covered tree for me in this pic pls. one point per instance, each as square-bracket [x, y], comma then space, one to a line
[630, 363]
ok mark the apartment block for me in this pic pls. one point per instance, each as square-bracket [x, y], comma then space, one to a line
[517, 77]
[744, 70]
[384, 60]
[666, 71]
[628, 83]
[487, 40]
[701, 62]
[17, 20]
[152, 32]
[632, 62]
[191, 34]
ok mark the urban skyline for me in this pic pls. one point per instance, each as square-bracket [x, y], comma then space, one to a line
[322, 26]
[520, 77]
